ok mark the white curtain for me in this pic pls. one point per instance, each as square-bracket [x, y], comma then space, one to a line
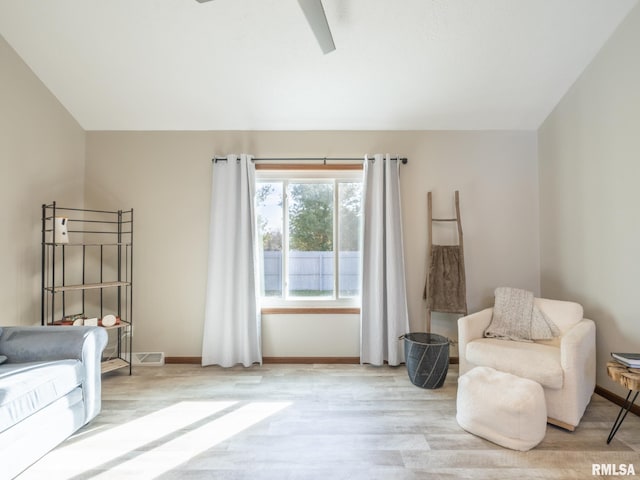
[232, 318]
[383, 313]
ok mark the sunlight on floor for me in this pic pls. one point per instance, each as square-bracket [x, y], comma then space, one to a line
[153, 444]
[169, 455]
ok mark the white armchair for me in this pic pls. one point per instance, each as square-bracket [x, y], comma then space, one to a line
[564, 366]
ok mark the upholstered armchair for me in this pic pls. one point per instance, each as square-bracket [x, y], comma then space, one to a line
[564, 366]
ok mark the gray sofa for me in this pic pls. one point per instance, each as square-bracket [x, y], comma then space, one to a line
[50, 386]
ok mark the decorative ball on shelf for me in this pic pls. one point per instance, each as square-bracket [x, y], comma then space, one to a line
[108, 320]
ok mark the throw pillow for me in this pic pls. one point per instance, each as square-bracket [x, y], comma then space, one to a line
[3, 358]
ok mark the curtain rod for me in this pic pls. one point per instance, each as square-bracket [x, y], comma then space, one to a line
[404, 160]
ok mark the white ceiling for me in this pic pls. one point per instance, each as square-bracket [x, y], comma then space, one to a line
[255, 65]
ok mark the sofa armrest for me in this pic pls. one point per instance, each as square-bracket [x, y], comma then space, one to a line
[578, 345]
[578, 361]
[32, 344]
[470, 328]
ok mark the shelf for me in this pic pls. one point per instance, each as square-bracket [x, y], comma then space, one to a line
[62, 269]
[92, 244]
[117, 326]
[83, 210]
[113, 364]
[122, 324]
[86, 286]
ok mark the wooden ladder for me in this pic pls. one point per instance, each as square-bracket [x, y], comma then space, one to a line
[430, 221]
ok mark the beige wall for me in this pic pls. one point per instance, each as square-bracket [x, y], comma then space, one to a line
[589, 196]
[41, 160]
[165, 177]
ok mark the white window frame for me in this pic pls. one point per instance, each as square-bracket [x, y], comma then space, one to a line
[313, 176]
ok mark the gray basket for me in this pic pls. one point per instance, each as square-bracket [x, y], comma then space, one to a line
[427, 359]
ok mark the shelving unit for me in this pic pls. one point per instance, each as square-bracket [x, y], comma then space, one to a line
[88, 274]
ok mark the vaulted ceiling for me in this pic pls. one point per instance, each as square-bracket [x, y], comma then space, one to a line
[255, 64]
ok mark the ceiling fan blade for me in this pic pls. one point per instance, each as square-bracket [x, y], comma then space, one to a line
[203, 1]
[314, 11]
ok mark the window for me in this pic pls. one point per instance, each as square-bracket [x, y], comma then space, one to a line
[309, 229]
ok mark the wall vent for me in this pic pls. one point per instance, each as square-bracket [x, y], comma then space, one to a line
[150, 359]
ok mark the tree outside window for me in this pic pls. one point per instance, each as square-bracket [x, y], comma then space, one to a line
[322, 236]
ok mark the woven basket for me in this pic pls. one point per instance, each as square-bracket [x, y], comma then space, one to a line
[427, 359]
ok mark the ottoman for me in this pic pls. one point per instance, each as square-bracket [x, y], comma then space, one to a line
[501, 407]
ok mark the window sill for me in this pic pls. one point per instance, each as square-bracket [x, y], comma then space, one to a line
[310, 310]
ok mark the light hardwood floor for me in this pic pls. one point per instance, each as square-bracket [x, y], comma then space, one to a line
[325, 422]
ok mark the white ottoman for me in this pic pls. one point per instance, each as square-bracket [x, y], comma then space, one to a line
[501, 407]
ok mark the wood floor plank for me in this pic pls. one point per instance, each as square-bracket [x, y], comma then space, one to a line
[307, 422]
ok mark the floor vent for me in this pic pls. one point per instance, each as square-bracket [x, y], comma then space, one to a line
[151, 359]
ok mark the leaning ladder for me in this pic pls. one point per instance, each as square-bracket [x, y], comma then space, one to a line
[430, 221]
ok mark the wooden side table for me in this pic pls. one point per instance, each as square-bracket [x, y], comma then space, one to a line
[630, 379]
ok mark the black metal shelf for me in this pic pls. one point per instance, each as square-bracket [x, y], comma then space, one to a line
[100, 259]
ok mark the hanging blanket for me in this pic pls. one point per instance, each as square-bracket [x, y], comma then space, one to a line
[515, 317]
[446, 289]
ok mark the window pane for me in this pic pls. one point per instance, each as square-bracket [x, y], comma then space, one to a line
[349, 225]
[269, 215]
[311, 257]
